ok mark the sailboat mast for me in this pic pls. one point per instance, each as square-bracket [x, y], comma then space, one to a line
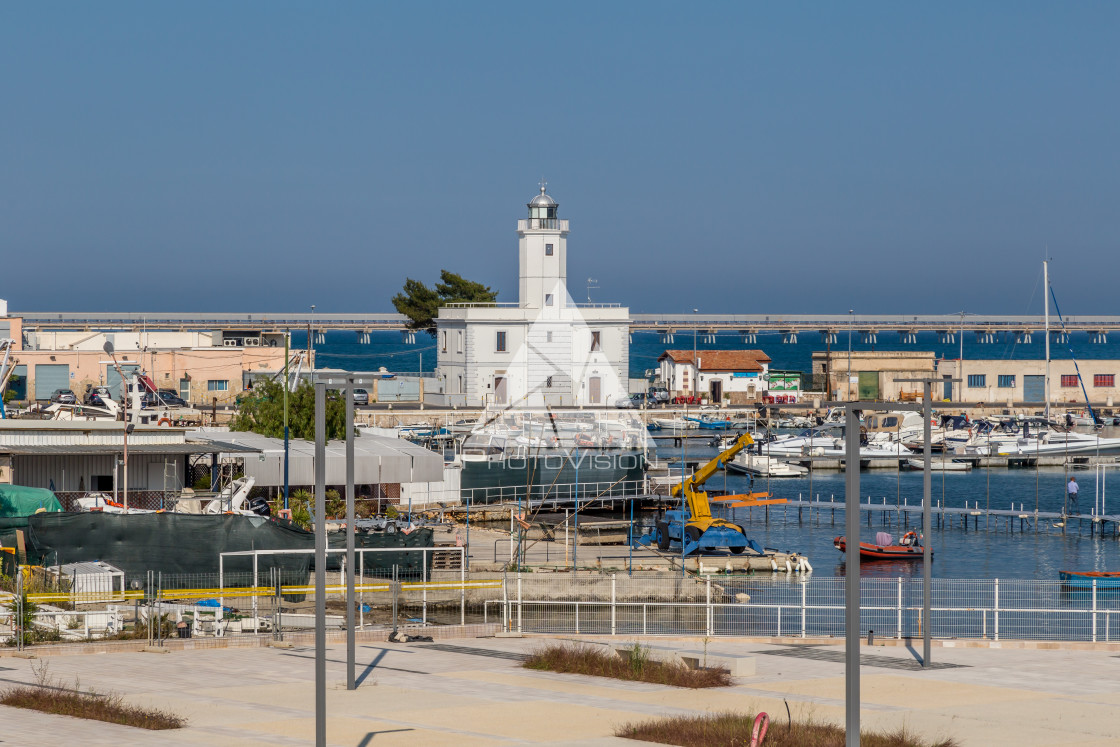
[1046, 298]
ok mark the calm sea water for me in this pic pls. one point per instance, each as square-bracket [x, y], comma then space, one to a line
[388, 349]
[958, 554]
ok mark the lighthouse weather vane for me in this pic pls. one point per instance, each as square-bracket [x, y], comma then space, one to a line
[543, 184]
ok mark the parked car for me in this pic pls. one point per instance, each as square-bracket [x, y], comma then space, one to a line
[658, 395]
[361, 397]
[167, 398]
[96, 395]
[64, 396]
[641, 400]
[623, 403]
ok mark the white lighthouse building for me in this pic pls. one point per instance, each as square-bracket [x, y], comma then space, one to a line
[543, 350]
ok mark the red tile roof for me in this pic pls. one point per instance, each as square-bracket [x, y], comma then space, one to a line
[721, 360]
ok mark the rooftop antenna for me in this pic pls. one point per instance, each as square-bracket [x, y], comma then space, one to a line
[591, 285]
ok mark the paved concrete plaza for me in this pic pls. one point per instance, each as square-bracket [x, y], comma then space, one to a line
[473, 691]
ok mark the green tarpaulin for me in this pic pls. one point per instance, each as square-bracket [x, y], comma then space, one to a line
[186, 544]
[16, 500]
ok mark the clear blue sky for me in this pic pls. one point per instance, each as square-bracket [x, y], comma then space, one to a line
[736, 157]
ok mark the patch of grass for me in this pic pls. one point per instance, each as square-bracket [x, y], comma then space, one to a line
[637, 666]
[49, 696]
[734, 730]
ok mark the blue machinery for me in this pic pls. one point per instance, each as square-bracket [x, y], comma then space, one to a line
[693, 526]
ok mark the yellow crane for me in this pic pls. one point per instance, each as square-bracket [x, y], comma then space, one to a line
[695, 527]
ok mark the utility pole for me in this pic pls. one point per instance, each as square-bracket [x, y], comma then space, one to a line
[695, 363]
[1046, 298]
[960, 364]
[311, 344]
[108, 348]
[287, 383]
[848, 387]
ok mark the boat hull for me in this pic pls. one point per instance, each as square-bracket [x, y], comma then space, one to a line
[1085, 579]
[552, 472]
[868, 551]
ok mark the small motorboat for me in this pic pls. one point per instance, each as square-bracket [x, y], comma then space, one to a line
[1085, 579]
[764, 466]
[939, 465]
[909, 547]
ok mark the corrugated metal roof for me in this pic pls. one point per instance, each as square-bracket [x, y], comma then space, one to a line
[377, 459]
[180, 448]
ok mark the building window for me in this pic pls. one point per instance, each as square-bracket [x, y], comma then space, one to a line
[460, 385]
[459, 345]
[1104, 379]
[548, 337]
[1069, 379]
[443, 341]
[500, 342]
[547, 299]
[548, 383]
[217, 385]
[548, 250]
[977, 380]
[596, 342]
[1006, 381]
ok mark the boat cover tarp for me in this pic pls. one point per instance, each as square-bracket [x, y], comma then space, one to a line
[17, 500]
[173, 543]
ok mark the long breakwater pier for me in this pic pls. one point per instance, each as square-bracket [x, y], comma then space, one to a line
[987, 328]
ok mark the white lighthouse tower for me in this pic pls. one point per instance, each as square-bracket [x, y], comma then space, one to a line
[543, 254]
[544, 350]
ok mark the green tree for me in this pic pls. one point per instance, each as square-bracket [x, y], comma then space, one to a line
[10, 391]
[262, 411]
[421, 304]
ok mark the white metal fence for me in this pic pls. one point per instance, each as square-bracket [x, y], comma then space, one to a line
[664, 604]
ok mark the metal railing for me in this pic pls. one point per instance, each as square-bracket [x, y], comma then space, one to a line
[558, 495]
[988, 609]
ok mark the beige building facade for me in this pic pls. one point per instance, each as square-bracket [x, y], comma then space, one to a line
[875, 375]
[871, 375]
[196, 365]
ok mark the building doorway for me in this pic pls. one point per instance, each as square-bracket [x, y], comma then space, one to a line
[500, 390]
[594, 390]
[1034, 388]
[869, 385]
[715, 388]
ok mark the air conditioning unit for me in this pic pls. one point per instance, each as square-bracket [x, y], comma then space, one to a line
[252, 342]
[232, 343]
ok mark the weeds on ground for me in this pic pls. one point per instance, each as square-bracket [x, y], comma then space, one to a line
[32, 633]
[635, 666]
[734, 730]
[139, 630]
[50, 695]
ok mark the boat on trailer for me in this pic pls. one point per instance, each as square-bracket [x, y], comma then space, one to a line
[1085, 579]
[909, 547]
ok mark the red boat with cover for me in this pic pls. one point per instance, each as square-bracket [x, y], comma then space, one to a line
[909, 547]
